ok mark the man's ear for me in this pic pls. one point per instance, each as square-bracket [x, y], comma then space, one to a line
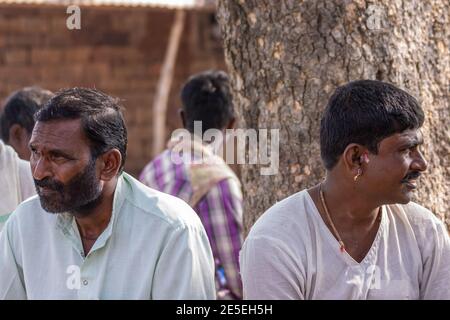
[16, 132]
[183, 117]
[18, 139]
[110, 164]
[354, 156]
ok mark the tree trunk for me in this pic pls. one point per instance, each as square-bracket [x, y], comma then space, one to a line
[286, 57]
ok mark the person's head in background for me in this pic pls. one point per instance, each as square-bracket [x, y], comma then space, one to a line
[17, 117]
[206, 97]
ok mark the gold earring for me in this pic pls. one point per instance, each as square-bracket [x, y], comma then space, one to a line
[358, 174]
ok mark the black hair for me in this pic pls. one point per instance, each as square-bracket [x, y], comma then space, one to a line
[365, 112]
[101, 118]
[20, 108]
[206, 97]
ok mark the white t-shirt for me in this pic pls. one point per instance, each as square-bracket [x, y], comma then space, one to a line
[291, 254]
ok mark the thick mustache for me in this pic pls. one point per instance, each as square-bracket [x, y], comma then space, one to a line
[50, 184]
[411, 175]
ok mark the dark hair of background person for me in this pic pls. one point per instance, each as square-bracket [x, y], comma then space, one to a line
[206, 97]
[20, 108]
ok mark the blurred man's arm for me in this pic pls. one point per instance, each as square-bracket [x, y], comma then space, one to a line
[221, 213]
[436, 264]
[11, 277]
[270, 271]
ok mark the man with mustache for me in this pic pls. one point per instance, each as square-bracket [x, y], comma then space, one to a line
[356, 235]
[93, 231]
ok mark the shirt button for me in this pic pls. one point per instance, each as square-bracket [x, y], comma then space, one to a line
[85, 282]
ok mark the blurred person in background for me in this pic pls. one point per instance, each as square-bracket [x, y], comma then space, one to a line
[16, 125]
[16, 182]
[17, 117]
[207, 184]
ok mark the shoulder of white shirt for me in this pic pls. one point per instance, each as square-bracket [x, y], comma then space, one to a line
[166, 207]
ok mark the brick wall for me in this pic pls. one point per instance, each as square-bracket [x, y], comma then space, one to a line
[119, 51]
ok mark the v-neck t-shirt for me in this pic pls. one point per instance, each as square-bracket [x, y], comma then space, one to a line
[290, 253]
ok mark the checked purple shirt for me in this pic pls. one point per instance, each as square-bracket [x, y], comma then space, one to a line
[220, 211]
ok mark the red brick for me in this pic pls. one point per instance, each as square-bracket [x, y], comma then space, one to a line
[47, 56]
[37, 48]
[77, 54]
[17, 57]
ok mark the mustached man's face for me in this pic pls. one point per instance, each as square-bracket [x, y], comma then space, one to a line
[394, 171]
[63, 169]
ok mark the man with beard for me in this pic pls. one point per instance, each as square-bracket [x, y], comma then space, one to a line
[93, 231]
[356, 235]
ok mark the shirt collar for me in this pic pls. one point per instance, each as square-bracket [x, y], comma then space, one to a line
[65, 221]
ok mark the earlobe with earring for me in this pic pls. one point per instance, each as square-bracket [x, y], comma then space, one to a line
[359, 173]
[364, 159]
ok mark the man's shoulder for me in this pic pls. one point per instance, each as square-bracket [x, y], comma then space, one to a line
[421, 220]
[284, 217]
[154, 204]
[32, 204]
[285, 230]
[29, 214]
[415, 213]
[167, 163]
[157, 159]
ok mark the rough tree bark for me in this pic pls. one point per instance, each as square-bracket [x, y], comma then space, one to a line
[286, 57]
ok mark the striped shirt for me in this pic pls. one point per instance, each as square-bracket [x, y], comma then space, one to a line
[219, 209]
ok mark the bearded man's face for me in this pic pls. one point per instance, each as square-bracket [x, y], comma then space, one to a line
[63, 168]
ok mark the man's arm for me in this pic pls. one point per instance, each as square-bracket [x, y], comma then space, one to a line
[166, 176]
[436, 264]
[185, 269]
[221, 213]
[11, 277]
[270, 271]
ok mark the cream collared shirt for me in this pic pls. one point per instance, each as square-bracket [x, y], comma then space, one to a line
[154, 247]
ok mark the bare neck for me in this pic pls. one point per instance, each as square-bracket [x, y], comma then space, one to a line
[91, 224]
[347, 203]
